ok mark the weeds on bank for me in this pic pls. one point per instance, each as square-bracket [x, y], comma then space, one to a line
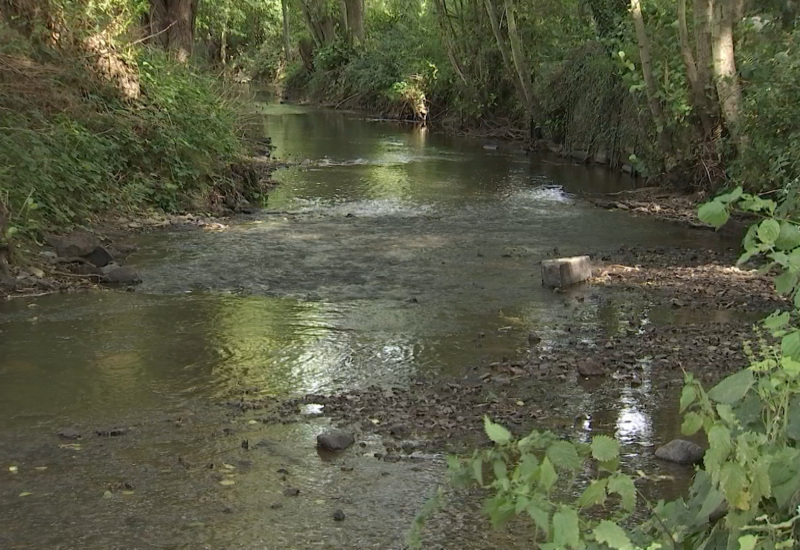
[746, 495]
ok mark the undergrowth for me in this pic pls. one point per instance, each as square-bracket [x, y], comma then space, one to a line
[73, 146]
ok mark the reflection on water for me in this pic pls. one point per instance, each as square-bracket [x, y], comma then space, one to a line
[391, 252]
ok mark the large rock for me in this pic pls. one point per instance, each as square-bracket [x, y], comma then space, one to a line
[566, 271]
[99, 257]
[681, 451]
[123, 276]
[336, 440]
[77, 243]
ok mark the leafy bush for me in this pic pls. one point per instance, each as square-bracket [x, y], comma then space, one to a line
[771, 119]
[747, 494]
[71, 147]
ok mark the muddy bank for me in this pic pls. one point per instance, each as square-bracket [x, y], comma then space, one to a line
[80, 259]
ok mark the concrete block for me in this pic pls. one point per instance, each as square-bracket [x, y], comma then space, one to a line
[566, 271]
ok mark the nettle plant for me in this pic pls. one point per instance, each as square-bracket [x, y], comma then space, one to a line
[746, 495]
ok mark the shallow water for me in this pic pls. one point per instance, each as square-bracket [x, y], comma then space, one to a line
[388, 253]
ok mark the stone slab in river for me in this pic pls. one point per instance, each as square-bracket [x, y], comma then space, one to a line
[566, 271]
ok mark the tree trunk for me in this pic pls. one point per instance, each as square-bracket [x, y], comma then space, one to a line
[172, 25]
[651, 88]
[287, 43]
[181, 35]
[441, 12]
[727, 80]
[320, 23]
[699, 99]
[702, 11]
[353, 17]
[521, 64]
[501, 45]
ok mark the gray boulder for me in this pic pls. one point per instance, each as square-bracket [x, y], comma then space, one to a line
[123, 276]
[680, 451]
[77, 243]
[99, 257]
[336, 440]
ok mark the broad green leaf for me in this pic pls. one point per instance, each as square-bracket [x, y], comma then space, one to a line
[748, 542]
[713, 213]
[692, 422]
[500, 470]
[789, 237]
[496, 432]
[566, 533]
[623, 486]
[733, 481]
[528, 466]
[611, 534]
[790, 345]
[540, 517]
[719, 440]
[784, 475]
[604, 448]
[595, 493]
[768, 231]
[777, 321]
[732, 196]
[688, 396]
[793, 416]
[477, 470]
[564, 456]
[712, 501]
[785, 282]
[547, 475]
[794, 259]
[733, 388]
[760, 485]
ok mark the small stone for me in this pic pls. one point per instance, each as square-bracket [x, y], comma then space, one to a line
[111, 432]
[69, 433]
[291, 492]
[338, 515]
[680, 451]
[590, 368]
[336, 440]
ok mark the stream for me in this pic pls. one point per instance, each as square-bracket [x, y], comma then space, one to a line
[380, 258]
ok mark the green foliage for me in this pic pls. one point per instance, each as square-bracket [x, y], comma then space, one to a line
[527, 475]
[746, 495]
[71, 147]
[771, 119]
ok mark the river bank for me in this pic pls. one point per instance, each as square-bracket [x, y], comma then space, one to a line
[392, 290]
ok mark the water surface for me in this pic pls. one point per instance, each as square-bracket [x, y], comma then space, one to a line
[388, 252]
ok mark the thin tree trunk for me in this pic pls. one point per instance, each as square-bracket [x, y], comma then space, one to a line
[702, 11]
[699, 99]
[441, 11]
[651, 88]
[727, 80]
[521, 64]
[501, 45]
[287, 43]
